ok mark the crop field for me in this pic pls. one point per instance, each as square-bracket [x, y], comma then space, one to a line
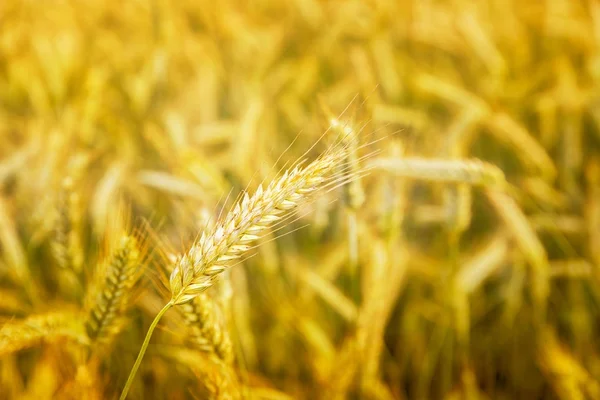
[302, 199]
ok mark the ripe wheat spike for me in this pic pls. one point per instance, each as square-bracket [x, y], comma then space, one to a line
[470, 171]
[18, 335]
[230, 238]
[197, 270]
[207, 333]
[65, 246]
[111, 298]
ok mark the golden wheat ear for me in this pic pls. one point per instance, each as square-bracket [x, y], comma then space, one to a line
[66, 245]
[30, 332]
[251, 217]
[207, 333]
[231, 237]
[111, 296]
[466, 171]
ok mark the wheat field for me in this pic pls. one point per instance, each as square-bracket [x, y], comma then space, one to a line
[303, 199]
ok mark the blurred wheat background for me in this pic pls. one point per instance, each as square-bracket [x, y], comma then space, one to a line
[460, 261]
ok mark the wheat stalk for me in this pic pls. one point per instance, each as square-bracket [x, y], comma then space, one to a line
[229, 239]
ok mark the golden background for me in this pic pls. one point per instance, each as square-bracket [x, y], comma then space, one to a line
[149, 117]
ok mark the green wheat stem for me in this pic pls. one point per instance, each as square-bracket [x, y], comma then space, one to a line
[140, 356]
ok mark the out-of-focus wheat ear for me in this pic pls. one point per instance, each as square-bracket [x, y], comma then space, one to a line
[30, 332]
[508, 130]
[11, 378]
[482, 264]
[207, 333]
[529, 244]
[468, 171]
[110, 298]
[219, 383]
[385, 273]
[86, 384]
[392, 197]
[568, 378]
[46, 376]
[458, 201]
[216, 379]
[239, 313]
[66, 244]
[592, 207]
[372, 316]
[343, 369]
[13, 252]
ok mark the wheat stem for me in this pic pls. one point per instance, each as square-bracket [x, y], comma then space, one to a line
[140, 356]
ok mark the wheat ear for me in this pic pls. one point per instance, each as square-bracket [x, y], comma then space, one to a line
[470, 171]
[207, 333]
[229, 239]
[18, 335]
[110, 299]
[66, 247]
[197, 270]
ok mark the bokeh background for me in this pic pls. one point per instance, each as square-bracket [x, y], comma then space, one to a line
[397, 289]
